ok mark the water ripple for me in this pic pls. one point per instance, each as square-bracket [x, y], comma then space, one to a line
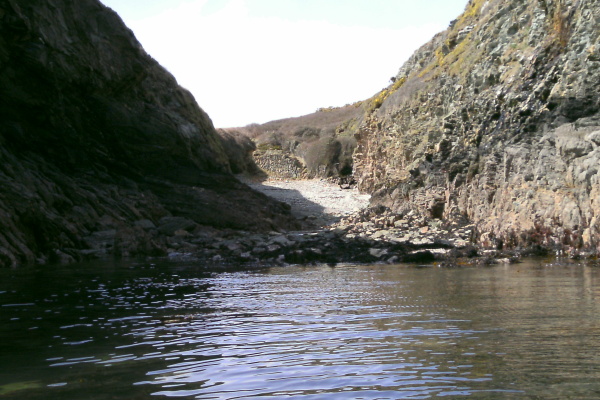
[380, 332]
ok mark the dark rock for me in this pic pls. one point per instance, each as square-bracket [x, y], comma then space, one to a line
[145, 224]
[419, 257]
[170, 225]
[239, 149]
[104, 240]
[95, 136]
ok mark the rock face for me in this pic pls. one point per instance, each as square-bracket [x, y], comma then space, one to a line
[239, 149]
[497, 120]
[101, 151]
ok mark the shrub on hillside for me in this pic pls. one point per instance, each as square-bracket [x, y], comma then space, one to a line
[270, 140]
[307, 133]
[252, 130]
[323, 140]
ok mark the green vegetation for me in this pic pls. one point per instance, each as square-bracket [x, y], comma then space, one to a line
[270, 140]
[472, 13]
[561, 25]
[450, 57]
[323, 141]
[330, 109]
[329, 156]
[379, 98]
[348, 128]
[267, 146]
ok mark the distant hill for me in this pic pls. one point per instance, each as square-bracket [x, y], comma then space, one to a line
[323, 142]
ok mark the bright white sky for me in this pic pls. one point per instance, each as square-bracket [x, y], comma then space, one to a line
[249, 61]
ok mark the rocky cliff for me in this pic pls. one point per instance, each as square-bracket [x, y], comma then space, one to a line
[497, 120]
[101, 150]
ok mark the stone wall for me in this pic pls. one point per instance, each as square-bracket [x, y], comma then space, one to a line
[278, 164]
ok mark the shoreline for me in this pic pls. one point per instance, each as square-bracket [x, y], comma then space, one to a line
[340, 227]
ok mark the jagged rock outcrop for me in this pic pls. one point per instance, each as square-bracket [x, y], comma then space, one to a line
[496, 119]
[239, 149]
[101, 151]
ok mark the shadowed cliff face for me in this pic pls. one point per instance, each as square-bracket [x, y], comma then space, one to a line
[99, 144]
[497, 119]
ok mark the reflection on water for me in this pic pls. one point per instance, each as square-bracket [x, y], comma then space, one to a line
[527, 331]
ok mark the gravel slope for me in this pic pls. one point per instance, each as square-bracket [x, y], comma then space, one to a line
[316, 200]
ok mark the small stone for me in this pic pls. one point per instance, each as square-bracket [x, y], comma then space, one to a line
[273, 247]
[378, 253]
[281, 240]
[380, 234]
[587, 236]
[234, 247]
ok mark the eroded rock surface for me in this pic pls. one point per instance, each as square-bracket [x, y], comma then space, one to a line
[496, 120]
[101, 151]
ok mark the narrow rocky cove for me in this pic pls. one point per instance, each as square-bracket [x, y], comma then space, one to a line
[341, 254]
[483, 147]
